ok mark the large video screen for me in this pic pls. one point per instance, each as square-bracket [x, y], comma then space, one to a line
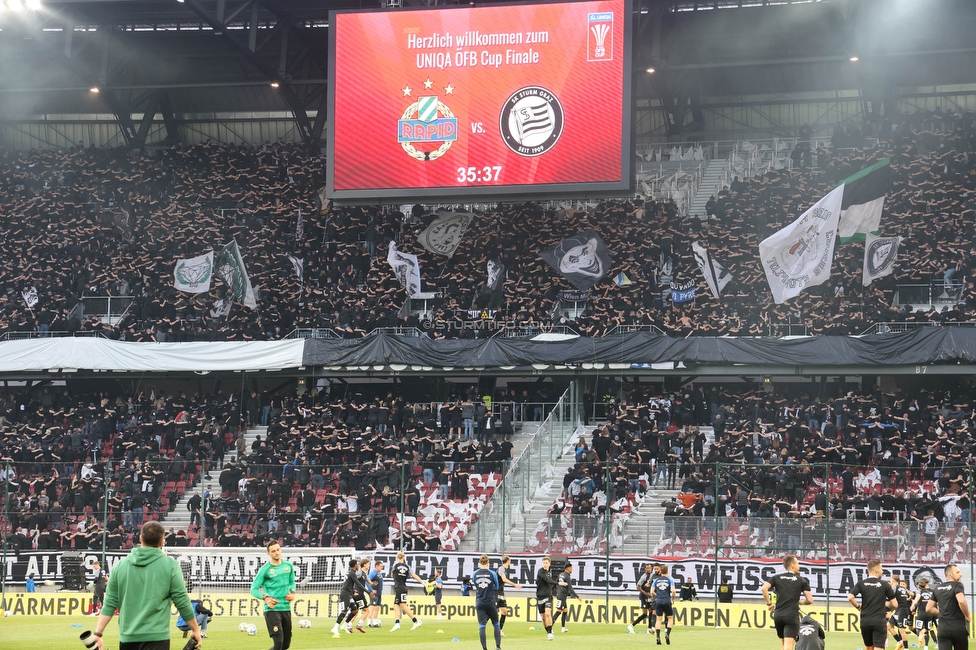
[481, 102]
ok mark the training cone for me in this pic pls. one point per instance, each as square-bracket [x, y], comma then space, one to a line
[455, 639]
[439, 632]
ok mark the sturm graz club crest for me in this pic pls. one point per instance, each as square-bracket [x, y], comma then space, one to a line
[531, 121]
[881, 255]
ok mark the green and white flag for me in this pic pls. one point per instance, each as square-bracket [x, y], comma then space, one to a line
[230, 269]
[193, 275]
[864, 197]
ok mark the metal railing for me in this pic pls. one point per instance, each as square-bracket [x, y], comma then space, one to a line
[34, 334]
[933, 293]
[411, 332]
[525, 475]
[111, 309]
[778, 330]
[630, 329]
[899, 327]
[313, 333]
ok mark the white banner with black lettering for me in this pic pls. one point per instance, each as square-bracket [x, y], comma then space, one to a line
[592, 574]
[801, 254]
[223, 567]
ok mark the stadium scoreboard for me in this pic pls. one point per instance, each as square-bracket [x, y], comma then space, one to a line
[498, 101]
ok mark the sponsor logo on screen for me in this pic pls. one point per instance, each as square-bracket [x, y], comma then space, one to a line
[531, 121]
[427, 128]
[599, 42]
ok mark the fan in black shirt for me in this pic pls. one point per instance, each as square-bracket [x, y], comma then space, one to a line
[877, 597]
[949, 604]
[789, 587]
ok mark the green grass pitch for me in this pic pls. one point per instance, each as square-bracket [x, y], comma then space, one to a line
[50, 633]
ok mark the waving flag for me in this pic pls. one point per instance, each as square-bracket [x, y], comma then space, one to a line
[193, 275]
[801, 254]
[582, 259]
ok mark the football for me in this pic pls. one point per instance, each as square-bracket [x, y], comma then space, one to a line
[252, 630]
[49, 583]
[242, 627]
[8, 613]
[305, 623]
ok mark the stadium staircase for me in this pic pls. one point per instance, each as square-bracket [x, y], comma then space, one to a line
[529, 532]
[535, 518]
[643, 531]
[179, 517]
[713, 180]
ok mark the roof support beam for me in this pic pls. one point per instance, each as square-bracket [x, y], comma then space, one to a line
[269, 72]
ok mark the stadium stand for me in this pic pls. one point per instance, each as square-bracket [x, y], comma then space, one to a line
[90, 223]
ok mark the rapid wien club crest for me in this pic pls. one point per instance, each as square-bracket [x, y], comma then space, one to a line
[427, 128]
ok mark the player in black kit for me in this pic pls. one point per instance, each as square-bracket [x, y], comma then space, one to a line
[877, 597]
[949, 604]
[564, 590]
[899, 619]
[924, 623]
[646, 600]
[401, 572]
[500, 598]
[789, 587]
[350, 595]
[543, 595]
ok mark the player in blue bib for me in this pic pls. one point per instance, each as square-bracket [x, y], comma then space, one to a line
[664, 593]
[487, 584]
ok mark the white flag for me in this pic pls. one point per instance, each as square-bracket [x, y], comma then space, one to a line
[444, 235]
[299, 265]
[221, 308]
[801, 254]
[30, 297]
[716, 275]
[193, 275]
[406, 268]
[880, 254]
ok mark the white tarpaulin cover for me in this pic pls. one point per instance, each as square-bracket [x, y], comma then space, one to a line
[105, 354]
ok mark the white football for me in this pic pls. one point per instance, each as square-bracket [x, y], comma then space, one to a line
[49, 583]
[242, 627]
[305, 623]
[252, 630]
[8, 613]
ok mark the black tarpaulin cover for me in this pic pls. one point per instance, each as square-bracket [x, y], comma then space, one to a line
[922, 346]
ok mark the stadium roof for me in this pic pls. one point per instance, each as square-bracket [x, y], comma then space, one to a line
[218, 56]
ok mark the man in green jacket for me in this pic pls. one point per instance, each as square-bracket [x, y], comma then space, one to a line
[142, 587]
[275, 585]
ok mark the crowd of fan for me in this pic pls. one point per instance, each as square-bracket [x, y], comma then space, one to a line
[96, 222]
[73, 459]
[329, 470]
[790, 465]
